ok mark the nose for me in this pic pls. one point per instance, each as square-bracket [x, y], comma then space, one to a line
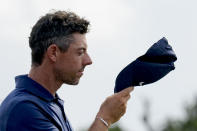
[87, 60]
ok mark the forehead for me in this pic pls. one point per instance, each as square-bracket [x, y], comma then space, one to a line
[79, 41]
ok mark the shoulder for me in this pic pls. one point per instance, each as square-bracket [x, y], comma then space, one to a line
[25, 111]
[27, 116]
[18, 97]
[20, 108]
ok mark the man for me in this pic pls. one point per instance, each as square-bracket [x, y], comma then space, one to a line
[59, 55]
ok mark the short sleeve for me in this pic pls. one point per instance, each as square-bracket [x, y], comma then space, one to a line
[26, 116]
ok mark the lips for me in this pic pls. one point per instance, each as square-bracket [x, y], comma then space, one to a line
[82, 69]
[81, 72]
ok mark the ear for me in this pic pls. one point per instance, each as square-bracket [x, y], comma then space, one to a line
[52, 52]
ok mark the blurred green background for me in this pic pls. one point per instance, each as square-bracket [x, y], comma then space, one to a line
[188, 123]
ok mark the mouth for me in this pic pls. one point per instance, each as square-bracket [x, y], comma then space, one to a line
[81, 72]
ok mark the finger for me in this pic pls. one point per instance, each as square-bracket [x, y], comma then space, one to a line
[126, 91]
[127, 98]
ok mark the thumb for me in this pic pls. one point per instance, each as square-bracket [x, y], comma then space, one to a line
[126, 91]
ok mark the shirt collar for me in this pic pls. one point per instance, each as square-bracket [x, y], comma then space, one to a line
[25, 82]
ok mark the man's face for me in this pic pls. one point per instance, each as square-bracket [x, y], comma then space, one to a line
[70, 65]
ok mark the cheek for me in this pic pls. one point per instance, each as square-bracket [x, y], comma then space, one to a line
[74, 64]
[70, 64]
[77, 60]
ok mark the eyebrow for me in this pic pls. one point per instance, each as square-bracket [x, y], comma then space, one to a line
[82, 48]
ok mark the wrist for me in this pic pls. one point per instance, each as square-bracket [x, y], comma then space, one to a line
[104, 120]
[99, 125]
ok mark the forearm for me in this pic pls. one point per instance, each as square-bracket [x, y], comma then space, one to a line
[98, 125]
[111, 110]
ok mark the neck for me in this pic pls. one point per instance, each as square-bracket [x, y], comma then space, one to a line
[44, 76]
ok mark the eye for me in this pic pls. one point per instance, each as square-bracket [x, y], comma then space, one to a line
[81, 52]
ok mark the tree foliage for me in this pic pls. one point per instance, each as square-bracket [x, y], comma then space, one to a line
[189, 123]
[116, 128]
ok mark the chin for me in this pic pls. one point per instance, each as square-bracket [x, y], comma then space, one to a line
[75, 83]
[72, 82]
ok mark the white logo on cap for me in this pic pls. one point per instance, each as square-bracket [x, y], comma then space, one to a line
[141, 83]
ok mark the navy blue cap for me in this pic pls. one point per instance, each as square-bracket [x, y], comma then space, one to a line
[157, 62]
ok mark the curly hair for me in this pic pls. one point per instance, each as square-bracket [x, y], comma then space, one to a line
[55, 28]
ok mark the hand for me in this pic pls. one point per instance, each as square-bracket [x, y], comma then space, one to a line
[114, 107]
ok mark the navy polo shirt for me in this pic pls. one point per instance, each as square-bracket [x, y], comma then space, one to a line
[30, 107]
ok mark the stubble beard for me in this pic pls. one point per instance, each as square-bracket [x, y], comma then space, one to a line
[66, 78]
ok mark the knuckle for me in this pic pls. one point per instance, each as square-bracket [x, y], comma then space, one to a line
[109, 98]
[129, 95]
[125, 106]
[124, 110]
[121, 101]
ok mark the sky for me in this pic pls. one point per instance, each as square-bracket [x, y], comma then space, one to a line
[121, 31]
